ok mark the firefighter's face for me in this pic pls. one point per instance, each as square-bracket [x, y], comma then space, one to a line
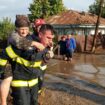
[23, 31]
[46, 38]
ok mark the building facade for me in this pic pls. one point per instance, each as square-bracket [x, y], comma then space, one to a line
[77, 23]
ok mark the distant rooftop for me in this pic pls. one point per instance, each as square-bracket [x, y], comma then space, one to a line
[74, 17]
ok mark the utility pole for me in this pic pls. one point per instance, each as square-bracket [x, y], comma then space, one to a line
[97, 26]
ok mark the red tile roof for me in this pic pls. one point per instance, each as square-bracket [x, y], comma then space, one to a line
[74, 17]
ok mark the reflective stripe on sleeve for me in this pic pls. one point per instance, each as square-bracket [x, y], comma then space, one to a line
[28, 63]
[3, 62]
[20, 60]
[43, 67]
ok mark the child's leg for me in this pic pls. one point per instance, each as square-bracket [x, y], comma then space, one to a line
[4, 89]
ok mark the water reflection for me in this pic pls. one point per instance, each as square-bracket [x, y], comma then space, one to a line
[84, 67]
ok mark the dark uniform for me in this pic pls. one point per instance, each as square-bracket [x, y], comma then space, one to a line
[19, 42]
[46, 58]
[25, 43]
[26, 66]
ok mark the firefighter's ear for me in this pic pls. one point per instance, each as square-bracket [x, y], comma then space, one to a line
[40, 34]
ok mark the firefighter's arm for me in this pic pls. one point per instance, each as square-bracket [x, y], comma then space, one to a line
[3, 62]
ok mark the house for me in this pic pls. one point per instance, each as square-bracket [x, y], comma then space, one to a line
[79, 23]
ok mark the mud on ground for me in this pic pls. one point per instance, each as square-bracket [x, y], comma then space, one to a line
[53, 97]
[57, 97]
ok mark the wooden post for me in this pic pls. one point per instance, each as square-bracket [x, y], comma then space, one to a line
[85, 39]
[97, 26]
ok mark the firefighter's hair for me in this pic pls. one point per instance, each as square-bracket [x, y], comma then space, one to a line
[46, 27]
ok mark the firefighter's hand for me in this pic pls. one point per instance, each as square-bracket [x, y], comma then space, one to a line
[38, 45]
[51, 54]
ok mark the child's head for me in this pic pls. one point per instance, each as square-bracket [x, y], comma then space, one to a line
[22, 25]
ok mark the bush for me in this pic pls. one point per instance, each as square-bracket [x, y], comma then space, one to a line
[6, 27]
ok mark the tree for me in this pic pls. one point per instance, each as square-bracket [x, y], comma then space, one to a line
[45, 8]
[56, 6]
[94, 8]
[6, 26]
[39, 9]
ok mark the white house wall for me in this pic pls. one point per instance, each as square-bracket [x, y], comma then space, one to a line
[78, 29]
[92, 32]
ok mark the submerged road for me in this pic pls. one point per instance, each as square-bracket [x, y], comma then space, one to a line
[83, 77]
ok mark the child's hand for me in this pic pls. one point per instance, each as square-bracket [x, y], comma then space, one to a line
[38, 45]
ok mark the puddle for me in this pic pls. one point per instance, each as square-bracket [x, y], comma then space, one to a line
[86, 72]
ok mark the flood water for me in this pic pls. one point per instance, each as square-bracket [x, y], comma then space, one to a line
[85, 72]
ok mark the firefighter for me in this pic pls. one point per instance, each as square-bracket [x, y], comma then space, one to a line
[26, 73]
[36, 27]
[20, 44]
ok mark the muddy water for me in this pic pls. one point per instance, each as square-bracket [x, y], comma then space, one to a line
[85, 73]
[90, 67]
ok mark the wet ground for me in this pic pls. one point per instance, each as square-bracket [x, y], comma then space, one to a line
[80, 82]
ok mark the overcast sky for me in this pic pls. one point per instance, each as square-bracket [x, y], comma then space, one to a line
[9, 8]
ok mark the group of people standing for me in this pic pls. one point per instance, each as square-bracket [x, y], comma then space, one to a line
[67, 47]
[24, 61]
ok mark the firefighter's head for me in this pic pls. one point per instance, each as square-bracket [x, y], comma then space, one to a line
[46, 35]
[22, 25]
[37, 24]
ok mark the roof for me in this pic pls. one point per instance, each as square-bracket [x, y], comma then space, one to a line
[74, 17]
